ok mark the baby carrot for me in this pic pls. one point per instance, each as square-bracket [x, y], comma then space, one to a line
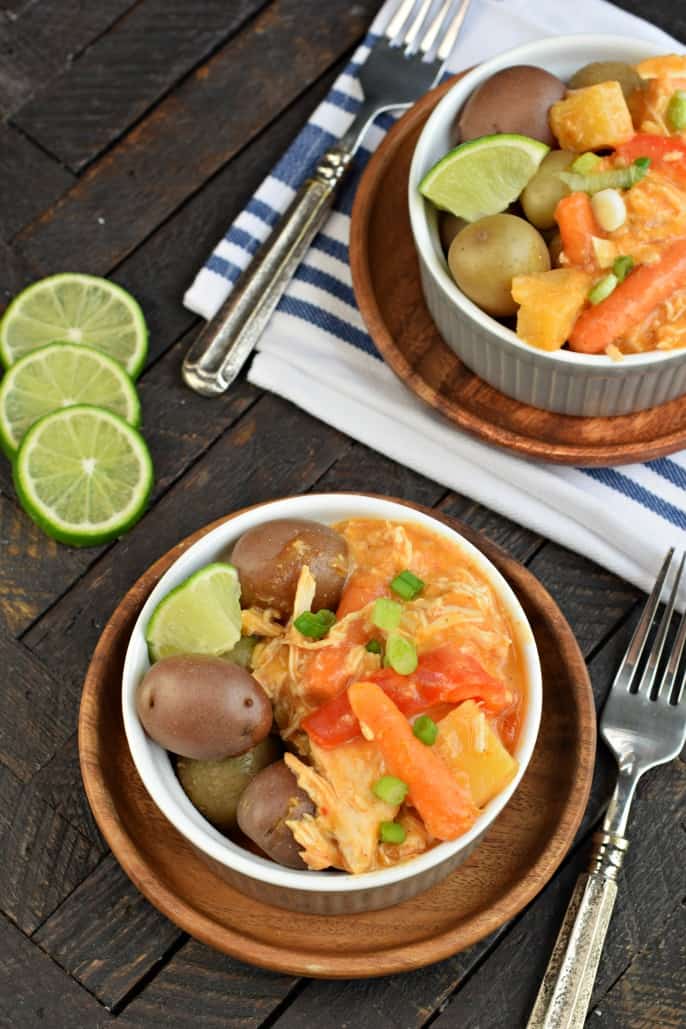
[361, 589]
[631, 301]
[444, 801]
[577, 224]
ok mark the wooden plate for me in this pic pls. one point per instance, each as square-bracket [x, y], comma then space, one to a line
[386, 279]
[518, 856]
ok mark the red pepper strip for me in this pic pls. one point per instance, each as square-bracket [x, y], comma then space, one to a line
[644, 144]
[446, 675]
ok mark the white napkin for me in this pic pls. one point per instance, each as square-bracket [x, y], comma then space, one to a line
[316, 352]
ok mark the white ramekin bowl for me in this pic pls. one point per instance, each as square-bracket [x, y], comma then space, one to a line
[325, 893]
[565, 382]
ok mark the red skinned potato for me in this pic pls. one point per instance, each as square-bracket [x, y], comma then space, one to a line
[203, 707]
[515, 100]
[269, 559]
[272, 798]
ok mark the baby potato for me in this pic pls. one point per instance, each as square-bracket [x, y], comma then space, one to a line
[203, 707]
[486, 255]
[272, 798]
[448, 227]
[541, 195]
[269, 559]
[215, 787]
[515, 100]
[607, 71]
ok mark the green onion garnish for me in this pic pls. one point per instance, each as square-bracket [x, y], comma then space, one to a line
[374, 647]
[622, 266]
[391, 832]
[407, 585]
[586, 163]
[426, 730]
[390, 790]
[315, 626]
[386, 614]
[401, 654]
[676, 111]
[603, 288]
[615, 178]
[642, 164]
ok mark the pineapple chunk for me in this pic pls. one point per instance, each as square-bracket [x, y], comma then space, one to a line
[670, 66]
[467, 743]
[550, 303]
[593, 117]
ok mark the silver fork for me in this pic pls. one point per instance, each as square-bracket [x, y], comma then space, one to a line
[401, 67]
[644, 725]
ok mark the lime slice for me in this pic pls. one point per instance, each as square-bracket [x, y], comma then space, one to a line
[201, 616]
[77, 309]
[83, 475]
[483, 176]
[57, 376]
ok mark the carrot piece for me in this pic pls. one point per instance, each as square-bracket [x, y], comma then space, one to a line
[575, 218]
[443, 800]
[361, 589]
[631, 301]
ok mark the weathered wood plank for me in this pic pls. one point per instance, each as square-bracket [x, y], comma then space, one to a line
[59, 784]
[40, 38]
[364, 469]
[193, 132]
[107, 954]
[125, 72]
[43, 856]
[32, 722]
[652, 990]
[178, 425]
[34, 991]
[15, 273]
[273, 450]
[204, 987]
[23, 163]
[516, 540]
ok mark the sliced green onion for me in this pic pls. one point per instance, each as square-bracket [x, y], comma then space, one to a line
[386, 614]
[426, 730]
[391, 832]
[616, 178]
[390, 790]
[401, 654]
[315, 626]
[603, 288]
[374, 647]
[585, 163]
[622, 266]
[676, 111]
[407, 585]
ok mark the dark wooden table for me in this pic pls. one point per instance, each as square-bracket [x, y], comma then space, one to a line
[132, 133]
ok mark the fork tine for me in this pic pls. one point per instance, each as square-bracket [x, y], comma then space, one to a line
[446, 45]
[645, 686]
[397, 22]
[431, 35]
[416, 25]
[668, 679]
[625, 672]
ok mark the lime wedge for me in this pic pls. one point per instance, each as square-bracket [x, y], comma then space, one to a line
[201, 616]
[483, 176]
[83, 475]
[76, 309]
[58, 376]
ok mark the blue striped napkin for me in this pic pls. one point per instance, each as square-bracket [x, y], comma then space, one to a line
[316, 351]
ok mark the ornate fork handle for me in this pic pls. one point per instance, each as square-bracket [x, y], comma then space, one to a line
[223, 346]
[565, 993]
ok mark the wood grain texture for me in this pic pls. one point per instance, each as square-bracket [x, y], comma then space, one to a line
[99, 95]
[520, 852]
[30, 698]
[388, 291]
[193, 132]
[58, 783]
[217, 991]
[38, 39]
[109, 953]
[34, 991]
[43, 856]
[21, 162]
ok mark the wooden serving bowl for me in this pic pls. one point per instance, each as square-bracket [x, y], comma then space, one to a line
[520, 852]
